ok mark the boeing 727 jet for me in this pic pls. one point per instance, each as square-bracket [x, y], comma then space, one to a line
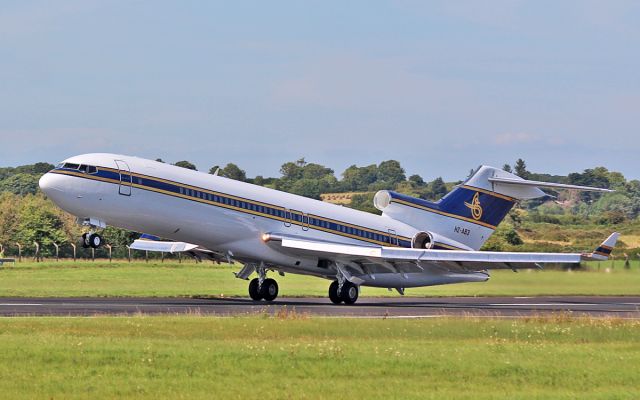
[413, 243]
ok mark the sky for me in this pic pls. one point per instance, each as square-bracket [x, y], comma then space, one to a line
[441, 86]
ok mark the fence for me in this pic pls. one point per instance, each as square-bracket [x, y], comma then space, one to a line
[71, 251]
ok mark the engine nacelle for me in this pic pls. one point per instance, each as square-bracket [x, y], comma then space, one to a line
[422, 240]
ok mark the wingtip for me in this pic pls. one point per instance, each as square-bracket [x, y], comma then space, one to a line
[611, 240]
[603, 251]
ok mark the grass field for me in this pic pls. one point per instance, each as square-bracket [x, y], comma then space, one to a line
[102, 278]
[297, 357]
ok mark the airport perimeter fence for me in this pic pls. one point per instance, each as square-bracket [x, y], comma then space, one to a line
[35, 252]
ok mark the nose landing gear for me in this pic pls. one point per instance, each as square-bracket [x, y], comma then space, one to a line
[93, 240]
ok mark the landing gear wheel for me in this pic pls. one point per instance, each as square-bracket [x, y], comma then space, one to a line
[269, 289]
[85, 241]
[349, 293]
[95, 240]
[333, 293]
[254, 293]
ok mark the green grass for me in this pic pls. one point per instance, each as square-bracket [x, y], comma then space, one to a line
[101, 278]
[278, 358]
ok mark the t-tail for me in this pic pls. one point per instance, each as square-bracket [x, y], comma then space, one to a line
[467, 216]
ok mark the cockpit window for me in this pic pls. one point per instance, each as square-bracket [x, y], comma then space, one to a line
[85, 169]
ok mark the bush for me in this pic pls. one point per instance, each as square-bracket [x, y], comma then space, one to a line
[512, 237]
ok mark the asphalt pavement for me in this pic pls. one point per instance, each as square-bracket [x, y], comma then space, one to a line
[392, 307]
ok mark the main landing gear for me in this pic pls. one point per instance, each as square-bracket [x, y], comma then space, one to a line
[344, 291]
[263, 287]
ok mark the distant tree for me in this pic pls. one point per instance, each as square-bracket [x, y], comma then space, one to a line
[21, 184]
[9, 206]
[291, 170]
[507, 168]
[39, 222]
[438, 188]
[315, 171]
[391, 172]
[159, 160]
[521, 169]
[307, 188]
[416, 180]
[232, 171]
[364, 202]
[38, 168]
[597, 177]
[185, 164]
[259, 180]
[358, 179]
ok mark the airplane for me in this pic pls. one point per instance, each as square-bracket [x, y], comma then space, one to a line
[413, 243]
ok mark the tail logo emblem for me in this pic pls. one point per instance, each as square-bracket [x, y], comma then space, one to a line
[475, 207]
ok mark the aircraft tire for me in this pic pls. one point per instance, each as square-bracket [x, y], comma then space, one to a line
[269, 289]
[95, 240]
[254, 293]
[349, 293]
[85, 240]
[333, 293]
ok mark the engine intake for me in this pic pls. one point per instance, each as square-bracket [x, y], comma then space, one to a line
[422, 240]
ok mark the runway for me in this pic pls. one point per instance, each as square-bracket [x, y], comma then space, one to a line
[396, 307]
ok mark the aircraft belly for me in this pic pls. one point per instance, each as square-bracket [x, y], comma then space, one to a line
[416, 279]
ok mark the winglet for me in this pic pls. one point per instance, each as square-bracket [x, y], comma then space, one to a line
[603, 251]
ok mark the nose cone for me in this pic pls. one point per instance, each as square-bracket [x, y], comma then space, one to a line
[53, 186]
[46, 183]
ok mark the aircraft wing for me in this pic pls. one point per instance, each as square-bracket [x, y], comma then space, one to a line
[450, 259]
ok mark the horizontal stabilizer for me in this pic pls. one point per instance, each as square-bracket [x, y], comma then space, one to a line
[193, 250]
[550, 185]
[167, 247]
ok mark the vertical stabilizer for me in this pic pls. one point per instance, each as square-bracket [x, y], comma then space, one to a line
[470, 213]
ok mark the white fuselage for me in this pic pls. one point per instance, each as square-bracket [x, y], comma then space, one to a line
[219, 214]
